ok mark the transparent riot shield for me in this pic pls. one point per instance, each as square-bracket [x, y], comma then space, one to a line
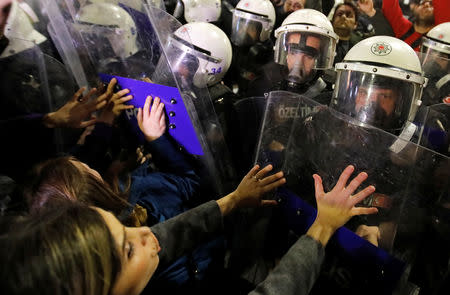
[409, 181]
[103, 37]
[282, 108]
[33, 84]
[435, 133]
[180, 66]
[100, 37]
[436, 67]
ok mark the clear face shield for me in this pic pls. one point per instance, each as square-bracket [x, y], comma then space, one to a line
[189, 63]
[181, 65]
[434, 56]
[248, 28]
[436, 67]
[303, 53]
[108, 41]
[380, 101]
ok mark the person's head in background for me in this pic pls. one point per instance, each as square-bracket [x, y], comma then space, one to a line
[67, 179]
[345, 20]
[423, 13]
[413, 4]
[285, 8]
[77, 250]
[293, 5]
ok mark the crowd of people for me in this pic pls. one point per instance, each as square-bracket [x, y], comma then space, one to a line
[220, 146]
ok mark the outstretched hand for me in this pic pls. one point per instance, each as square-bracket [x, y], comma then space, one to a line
[152, 122]
[252, 188]
[336, 207]
[115, 103]
[76, 113]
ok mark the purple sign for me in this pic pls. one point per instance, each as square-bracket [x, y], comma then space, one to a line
[179, 123]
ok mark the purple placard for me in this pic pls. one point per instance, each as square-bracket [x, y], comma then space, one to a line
[180, 126]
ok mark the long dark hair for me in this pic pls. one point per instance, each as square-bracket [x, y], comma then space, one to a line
[65, 251]
[59, 179]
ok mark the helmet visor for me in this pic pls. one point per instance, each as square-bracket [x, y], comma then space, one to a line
[105, 42]
[190, 63]
[436, 67]
[247, 28]
[316, 50]
[375, 100]
[432, 46]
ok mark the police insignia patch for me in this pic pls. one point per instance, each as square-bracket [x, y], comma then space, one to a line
[381, 48]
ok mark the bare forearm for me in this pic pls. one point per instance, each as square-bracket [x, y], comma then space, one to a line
[320, 232]
[227, 204]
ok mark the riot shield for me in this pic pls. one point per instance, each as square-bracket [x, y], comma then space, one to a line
[282, 108]
[179, 66]
[103, 37]
[436, 67]
[32, 83]
[409, 179]
[120, 41]
[435, 133]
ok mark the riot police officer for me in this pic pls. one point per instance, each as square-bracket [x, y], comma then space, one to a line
[304, 48]
[252, 24]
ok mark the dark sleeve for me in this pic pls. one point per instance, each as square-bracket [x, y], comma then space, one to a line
[297, 271]
[314, 4]
[94, 149]
[167, 157]
[381, 24]
[183, 233]
[18, 135]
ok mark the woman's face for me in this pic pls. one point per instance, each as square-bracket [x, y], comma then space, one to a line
[138, 249]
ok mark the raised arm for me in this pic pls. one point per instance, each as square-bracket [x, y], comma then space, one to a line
[441, 11]
[393, 13]
[184, 232]
[300, 266]
[151, 120]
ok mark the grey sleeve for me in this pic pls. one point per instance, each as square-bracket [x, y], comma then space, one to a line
[297, 271]
[183, 233]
